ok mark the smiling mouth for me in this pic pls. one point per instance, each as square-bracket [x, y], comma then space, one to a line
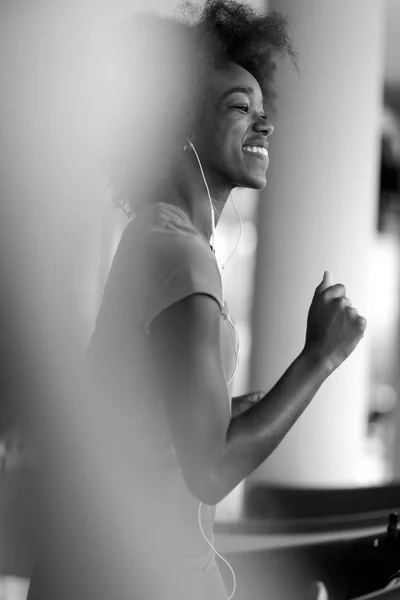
[256, 151]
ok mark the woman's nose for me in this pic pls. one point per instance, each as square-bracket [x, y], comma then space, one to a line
[270, 128]
[264, 125]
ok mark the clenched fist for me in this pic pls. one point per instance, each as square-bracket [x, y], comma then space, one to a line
[334, 327]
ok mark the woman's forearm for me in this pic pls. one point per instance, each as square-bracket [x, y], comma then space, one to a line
[255, 433]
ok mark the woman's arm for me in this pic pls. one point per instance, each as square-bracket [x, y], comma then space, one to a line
[242, 403]
[216, 451]
[255, 433]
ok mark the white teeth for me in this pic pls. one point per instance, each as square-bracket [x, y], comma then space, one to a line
[256, 149]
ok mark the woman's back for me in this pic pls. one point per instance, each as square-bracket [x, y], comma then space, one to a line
[161, 259]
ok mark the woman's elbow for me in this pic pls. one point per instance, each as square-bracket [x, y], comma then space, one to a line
[207, 487]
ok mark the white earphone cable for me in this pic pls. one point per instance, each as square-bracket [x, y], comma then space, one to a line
[217, 553]
[209, 197]
[239, 238]
[237, 339]
[237, 343]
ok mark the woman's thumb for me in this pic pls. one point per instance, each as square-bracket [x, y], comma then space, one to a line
[326, 281]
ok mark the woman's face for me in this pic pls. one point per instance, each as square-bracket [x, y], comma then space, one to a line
[233, 129]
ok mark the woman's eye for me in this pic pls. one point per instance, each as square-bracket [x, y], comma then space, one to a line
[242, 107]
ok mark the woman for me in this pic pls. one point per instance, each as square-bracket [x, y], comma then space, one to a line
[164, 349]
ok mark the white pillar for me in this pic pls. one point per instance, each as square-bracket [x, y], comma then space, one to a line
[396, 446]
[396, 454]
[319, 212]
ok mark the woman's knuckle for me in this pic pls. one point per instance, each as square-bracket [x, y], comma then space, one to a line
[362, 323]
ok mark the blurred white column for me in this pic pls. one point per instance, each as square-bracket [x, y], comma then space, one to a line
[13, 588]
[319, 212]
[396, 460]
[396, 449]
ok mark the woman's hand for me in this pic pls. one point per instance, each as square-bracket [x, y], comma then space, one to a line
[334, 327]
[242, 403]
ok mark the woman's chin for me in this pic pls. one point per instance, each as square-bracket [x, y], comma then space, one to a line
[254, 181]
[258, 183]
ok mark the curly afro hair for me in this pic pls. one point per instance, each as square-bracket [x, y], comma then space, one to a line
[184, 49]
[233, 32]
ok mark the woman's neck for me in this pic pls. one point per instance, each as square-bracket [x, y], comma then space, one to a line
[186, 190]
